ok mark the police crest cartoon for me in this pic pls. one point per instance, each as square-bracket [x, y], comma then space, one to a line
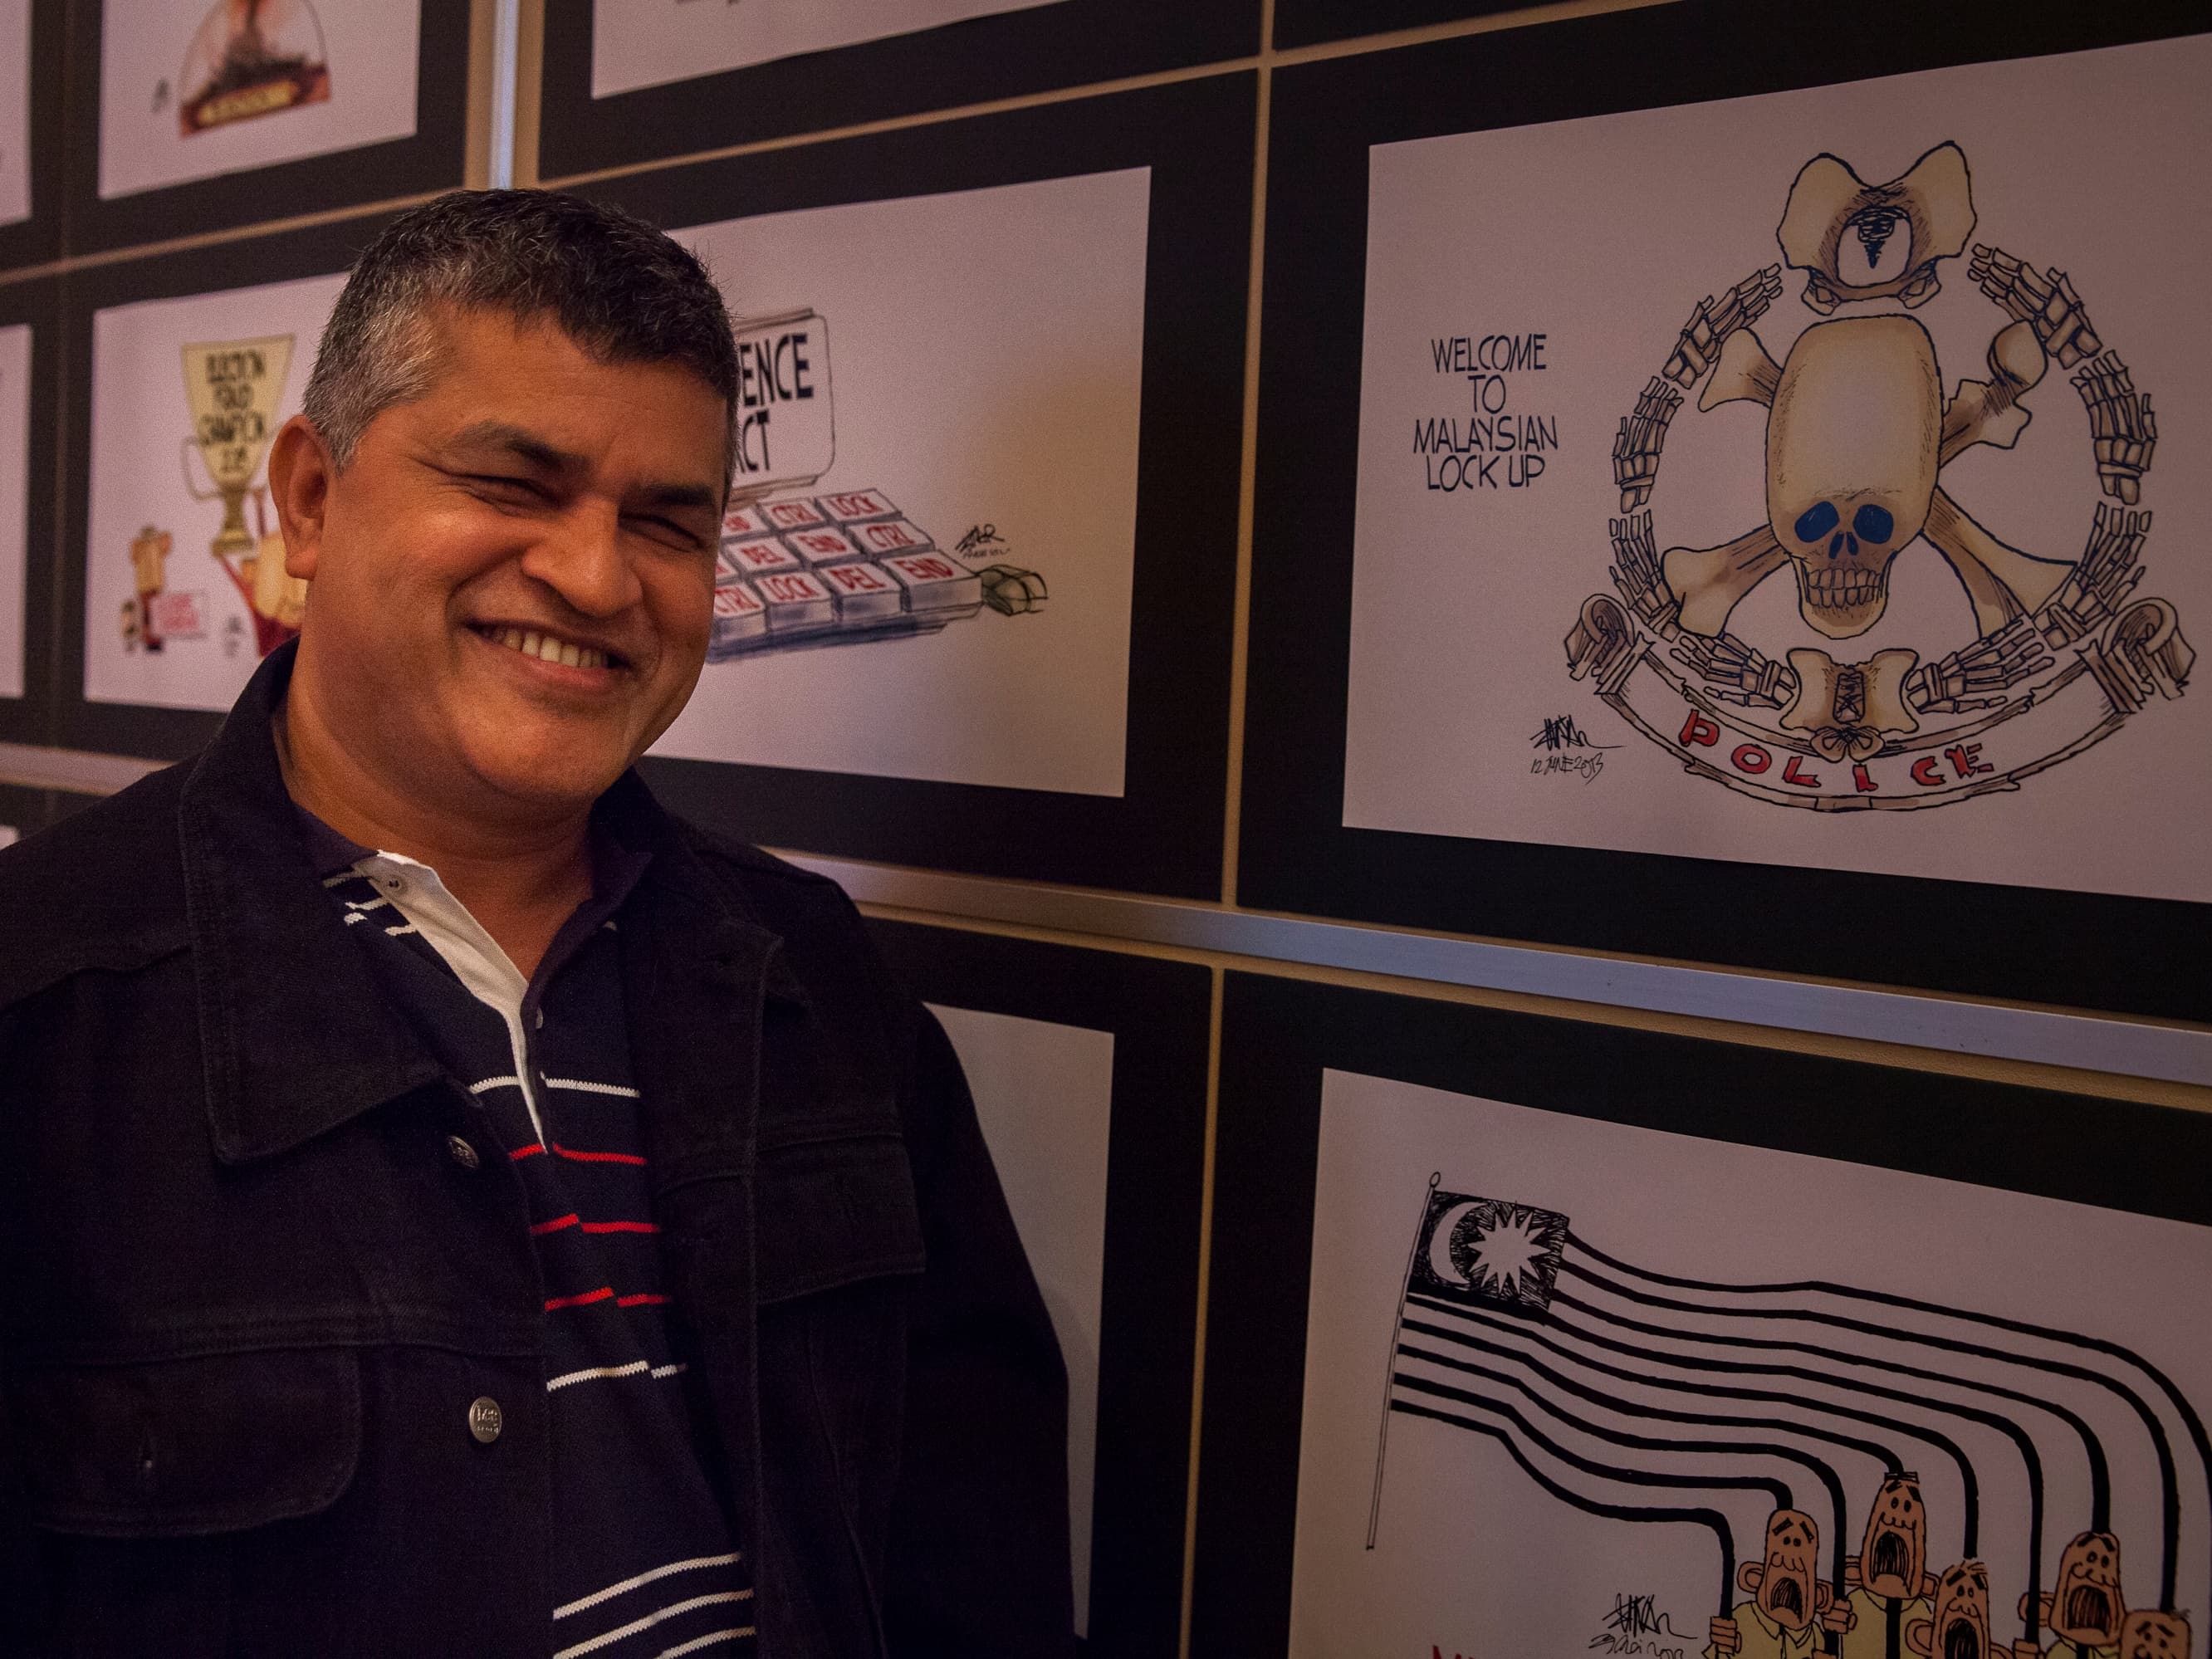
[2052, 649]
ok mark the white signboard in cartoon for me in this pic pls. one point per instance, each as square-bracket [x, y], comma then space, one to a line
[188, 91]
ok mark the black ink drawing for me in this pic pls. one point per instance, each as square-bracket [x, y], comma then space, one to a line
[1801, 1395]
[1858, 432]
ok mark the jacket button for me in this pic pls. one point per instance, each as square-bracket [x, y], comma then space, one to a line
[461, 1152]
[485, 1419]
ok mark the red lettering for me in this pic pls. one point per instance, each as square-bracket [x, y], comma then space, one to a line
[1699, 729]
[1924, 772]
[1860, 782]
[1963, 756]
[1750, 757]
[1790, 774]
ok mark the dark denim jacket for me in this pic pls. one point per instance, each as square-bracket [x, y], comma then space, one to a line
[247, 1293]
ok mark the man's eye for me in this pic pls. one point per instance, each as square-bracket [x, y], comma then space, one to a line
[500, 484]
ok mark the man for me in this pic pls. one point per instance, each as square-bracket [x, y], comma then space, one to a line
[1791, 1608]
[2085, 1610]
[1890, 1585]
[450, 1206]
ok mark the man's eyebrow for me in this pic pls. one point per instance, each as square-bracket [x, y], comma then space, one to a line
[533, 450]
[522, 444]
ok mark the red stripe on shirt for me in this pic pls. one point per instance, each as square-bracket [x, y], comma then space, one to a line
[600, 1294]
[643, 1299]
[540, 1228]
[591, 1157]
[616, 1226]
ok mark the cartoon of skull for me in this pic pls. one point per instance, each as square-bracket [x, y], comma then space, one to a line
[1894, 1552]
[1961, 1627]
[2087, 1607]
[1852, 446]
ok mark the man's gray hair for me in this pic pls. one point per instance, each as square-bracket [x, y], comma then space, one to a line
[621, 289]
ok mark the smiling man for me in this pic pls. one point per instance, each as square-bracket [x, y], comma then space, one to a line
[447, 1205]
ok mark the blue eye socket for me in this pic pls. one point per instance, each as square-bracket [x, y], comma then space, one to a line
[1816, 521]
[1873, 523]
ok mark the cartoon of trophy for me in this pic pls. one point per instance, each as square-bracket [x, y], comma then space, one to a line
[232, 387]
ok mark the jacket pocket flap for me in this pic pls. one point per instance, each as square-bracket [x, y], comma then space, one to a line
[836, 1212]
[176, 1446]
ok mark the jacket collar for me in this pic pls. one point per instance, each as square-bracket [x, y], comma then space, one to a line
[295, 1035]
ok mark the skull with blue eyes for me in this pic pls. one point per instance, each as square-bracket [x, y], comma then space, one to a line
[1852, 454]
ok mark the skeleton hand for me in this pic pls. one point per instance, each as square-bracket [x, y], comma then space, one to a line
[1726, 661]
[2120, 419]
[1601, 635]
[1979, 675]
[1727, 1638]
[1636, 446]
[2109, 567]
[1710, 323]
[2044, 300]
[1637, 572]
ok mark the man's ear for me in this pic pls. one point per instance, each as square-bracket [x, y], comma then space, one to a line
[1749, 1575]
[1822, 1594]
[1919, 1634]
[300, 474]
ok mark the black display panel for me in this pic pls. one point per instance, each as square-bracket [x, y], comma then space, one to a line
[1157, 1014]
[996, 55]
[1649, 1288]
[188, 92]
[1831, 911]
[1156, 825]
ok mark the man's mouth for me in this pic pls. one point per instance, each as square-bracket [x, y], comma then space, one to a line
[1788, 1596]
[1889, 1552]
[1961, 1640]
[2088, 1608]
[549, 647]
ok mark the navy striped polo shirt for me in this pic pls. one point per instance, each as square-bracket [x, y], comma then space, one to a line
[643, 1564]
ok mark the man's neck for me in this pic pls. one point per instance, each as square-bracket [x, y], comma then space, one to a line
[521, 877]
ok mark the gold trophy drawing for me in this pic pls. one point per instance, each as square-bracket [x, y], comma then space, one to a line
[232, 387]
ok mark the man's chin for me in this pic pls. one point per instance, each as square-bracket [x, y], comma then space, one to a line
[548, 777]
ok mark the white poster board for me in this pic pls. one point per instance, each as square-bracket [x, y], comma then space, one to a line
[1527, 293]
[15, 414]
[158, 515]
[942, 390]
[1605, 1332]
[648, 43]
[188, 89]
[1044, 1097]
[15, 111]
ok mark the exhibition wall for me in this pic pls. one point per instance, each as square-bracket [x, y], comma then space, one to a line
[1521, 678]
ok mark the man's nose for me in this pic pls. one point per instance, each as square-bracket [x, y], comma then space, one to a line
[582, 558]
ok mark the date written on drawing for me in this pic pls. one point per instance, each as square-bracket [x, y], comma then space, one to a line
[1564, 750]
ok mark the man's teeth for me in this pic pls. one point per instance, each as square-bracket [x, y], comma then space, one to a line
[547, 648]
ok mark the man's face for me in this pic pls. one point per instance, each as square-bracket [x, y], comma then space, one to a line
[1961, 1623]
[2154, 1636]
[1789, 1589]
[2086, 1608]
[514, 575]
[1894, 1554]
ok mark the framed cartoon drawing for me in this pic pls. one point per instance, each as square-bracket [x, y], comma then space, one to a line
[1739, 541]
[173, 565]
[972, 606]
[29, 348]
[1088, 1069]
[30, 131]
[1527, 1336]
[628, 80]
[227, 112]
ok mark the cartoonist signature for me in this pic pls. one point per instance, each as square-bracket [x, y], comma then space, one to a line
[1637, 1625]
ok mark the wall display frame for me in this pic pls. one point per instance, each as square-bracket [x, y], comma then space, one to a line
[1310, 22]
[1106, 1167]
[31, 33]
[1428, 720]
[999, 49]
[160, 520]
[304, 107]
[1520, 1327]
[30, 354]
[1032, 743]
